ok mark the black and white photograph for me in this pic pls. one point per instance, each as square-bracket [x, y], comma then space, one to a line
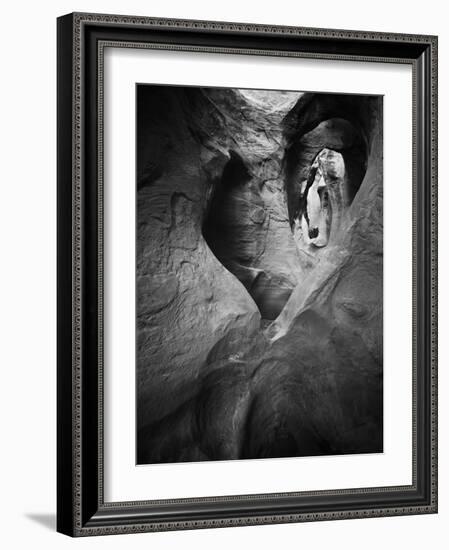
[221, 306]
[259, 274]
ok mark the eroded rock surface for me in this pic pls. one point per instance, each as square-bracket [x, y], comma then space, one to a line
[259, 274]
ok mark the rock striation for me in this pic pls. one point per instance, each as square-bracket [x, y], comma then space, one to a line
[259, 274]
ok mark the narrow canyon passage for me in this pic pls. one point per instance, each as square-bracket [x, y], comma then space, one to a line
[246, 221]
[259, 274]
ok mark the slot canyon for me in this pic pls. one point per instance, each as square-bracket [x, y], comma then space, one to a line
[259, 272]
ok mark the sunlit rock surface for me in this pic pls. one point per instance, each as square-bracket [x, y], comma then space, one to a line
[259, 274]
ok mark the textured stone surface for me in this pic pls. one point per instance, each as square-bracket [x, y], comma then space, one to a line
[255, 339]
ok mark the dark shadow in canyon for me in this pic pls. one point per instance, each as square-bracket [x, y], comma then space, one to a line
[235, 231]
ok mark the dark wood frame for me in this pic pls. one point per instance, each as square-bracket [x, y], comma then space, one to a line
[81, 509]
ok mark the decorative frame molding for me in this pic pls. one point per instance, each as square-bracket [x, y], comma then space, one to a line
[81, 41]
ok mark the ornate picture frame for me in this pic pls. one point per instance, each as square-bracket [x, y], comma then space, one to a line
[81, 507]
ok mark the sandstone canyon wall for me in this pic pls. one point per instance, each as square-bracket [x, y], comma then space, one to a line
[259, 274]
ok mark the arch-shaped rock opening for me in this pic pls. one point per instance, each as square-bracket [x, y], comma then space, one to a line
[324, 170]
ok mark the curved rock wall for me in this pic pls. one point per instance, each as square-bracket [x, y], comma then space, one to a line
[253, 338]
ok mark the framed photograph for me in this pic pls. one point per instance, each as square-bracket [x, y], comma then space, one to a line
[246, 274]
